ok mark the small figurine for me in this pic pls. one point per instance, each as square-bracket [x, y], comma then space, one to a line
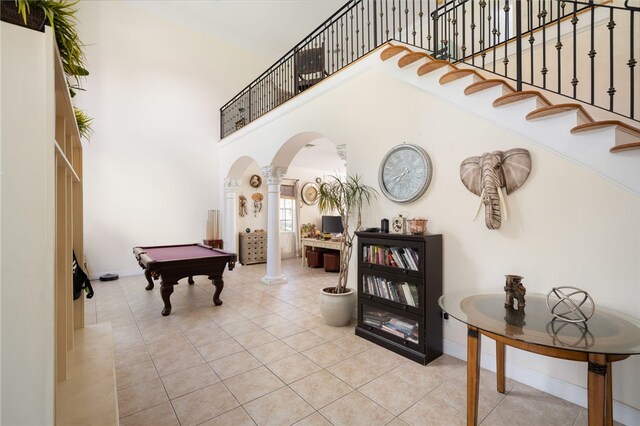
[515, 290]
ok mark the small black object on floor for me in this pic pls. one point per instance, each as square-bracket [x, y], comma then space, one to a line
[109, 277]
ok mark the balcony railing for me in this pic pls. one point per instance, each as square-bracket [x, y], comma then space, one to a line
[579, 49]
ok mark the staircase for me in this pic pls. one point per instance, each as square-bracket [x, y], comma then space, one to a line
[627, 136]
[608, 146]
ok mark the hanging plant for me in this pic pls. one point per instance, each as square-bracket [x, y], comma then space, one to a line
[84, 123]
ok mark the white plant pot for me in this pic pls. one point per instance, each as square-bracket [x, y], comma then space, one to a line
[336, 309]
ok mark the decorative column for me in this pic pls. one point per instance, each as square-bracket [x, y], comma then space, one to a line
[230, 224]
[274, 275]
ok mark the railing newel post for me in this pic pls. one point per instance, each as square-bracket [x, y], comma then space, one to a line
[518, 46]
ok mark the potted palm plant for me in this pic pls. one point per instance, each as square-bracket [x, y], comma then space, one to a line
[347, 197]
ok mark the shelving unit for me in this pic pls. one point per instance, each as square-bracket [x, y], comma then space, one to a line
[399, 283]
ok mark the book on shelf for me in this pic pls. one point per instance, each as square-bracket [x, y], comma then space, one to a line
[397, 257]
[414, 292]
[407, 258]
[401, 328]
[406, 290]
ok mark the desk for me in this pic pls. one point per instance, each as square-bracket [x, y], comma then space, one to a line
[607, 337]
[172, 263]
[312, 242]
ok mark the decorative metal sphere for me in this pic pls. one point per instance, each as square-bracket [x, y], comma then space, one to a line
[570, 304]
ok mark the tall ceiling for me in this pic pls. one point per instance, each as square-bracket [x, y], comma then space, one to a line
[271, 27]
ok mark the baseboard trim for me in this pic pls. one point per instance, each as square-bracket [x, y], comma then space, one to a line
[568, 391]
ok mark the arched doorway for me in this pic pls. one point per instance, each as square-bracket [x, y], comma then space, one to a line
[305, 157]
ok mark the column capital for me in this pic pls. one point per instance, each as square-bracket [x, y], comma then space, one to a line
[231, 185]
[273, 174]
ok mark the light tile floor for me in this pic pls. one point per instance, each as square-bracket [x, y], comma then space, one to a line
[265, 357]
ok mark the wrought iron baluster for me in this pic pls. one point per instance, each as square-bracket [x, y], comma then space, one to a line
[446, 37]
[483, 53]
[406, 21]
[574, 23]
[393, 18]
[505, 60]
[362, 24]
[429, 37]
[369, 25]
[612, 91]
[541, 15]
[357, 35]
[473, 34]
[559, 49]
[453, 48]
[531, 39]
[463, 48]
[414, 23]
[494, 32]
[435, 18]
[631, 64]
[386, 20]
[351, 34]
[592, 52]
[518, 12]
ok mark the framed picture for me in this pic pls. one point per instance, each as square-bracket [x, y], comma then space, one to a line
[255, 181]
[398, 225]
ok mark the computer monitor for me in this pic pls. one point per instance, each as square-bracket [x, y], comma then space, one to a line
[332, 224]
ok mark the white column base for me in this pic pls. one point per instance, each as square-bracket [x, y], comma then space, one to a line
[273, 280]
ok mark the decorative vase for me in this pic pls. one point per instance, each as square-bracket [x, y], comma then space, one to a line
[336, 309]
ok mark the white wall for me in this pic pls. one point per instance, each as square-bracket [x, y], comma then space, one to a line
[27, 227]
[155, 90]
[568, 225]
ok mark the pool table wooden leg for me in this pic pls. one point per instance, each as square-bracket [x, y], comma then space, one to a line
[147, 275]
[165, 290]
[217, 281]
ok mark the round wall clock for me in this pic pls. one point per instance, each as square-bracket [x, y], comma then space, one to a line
[405, 173]
[310, 192]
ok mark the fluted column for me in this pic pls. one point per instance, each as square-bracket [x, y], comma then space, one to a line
[274, 275]
[229, 228]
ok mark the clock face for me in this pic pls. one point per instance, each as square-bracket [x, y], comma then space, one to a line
[310, 193]
[405, 173]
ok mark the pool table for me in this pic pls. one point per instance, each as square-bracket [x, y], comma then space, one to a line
[174, 262]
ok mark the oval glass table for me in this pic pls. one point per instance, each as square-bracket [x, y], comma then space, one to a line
[608, 336]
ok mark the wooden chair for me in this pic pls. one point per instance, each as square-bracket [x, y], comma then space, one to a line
[309, 67]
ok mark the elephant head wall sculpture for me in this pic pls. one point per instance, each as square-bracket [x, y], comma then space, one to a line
[487, 174]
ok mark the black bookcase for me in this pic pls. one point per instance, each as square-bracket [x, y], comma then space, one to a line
[399, 283]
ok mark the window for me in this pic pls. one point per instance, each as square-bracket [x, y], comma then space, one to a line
[286, 214]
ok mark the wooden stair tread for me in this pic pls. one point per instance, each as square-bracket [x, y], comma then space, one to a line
[605, 123]
[433, 65]
[625, 147]
[485, 84]
[556, 109]
[457, 74]
[519, 96]
[411, 57]
[392, 51]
